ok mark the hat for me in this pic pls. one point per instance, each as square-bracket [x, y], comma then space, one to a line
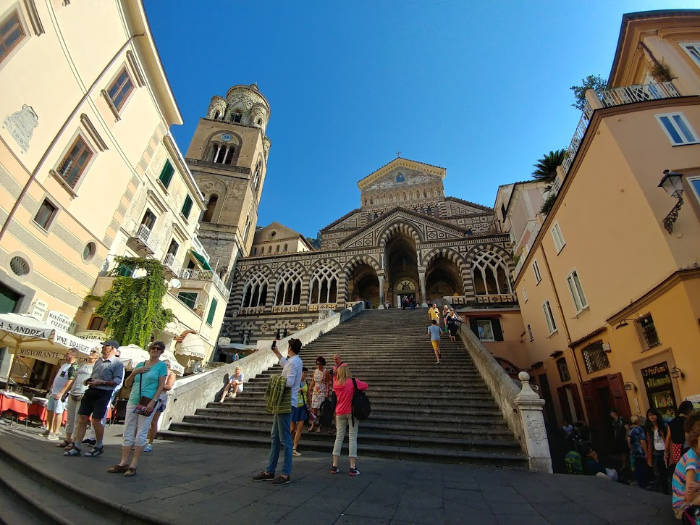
[112, 343]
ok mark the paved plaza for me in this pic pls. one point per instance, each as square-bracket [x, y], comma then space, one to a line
[183, 482]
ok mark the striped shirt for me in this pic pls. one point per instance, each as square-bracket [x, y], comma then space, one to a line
[689, 461]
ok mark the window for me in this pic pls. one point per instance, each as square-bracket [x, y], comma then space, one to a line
[487, 330]
[536, 271]
[166, 174]
[549, 317]
[677, 129]
[222, 153]
[44, 217]
[97, 323]
[324, 285]
[120, 89]
[288, 288]
[89, 251]
[11, 34]
[254, 250]
[529, 333]
[503, 211]
[189, 298]
[211, 205]
[558, 238]
[647, 331]
[247, 230]
[563, 369]
[693, 50]
[172, 249]
[236, 117]
[73, 164]
[594, 357]
[212, 311]
[187, 207]
[576, 291]
[694, 183]
[255, 290]
[490, 274]
[125, 270]
[277, 248]
[285, 248]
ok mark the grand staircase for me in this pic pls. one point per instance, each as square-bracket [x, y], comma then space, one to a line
[420, 410]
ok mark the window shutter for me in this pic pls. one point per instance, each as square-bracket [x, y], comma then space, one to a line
[166, 174]
[187, 206]
[212, 311]
[473, 326]
[497, 332]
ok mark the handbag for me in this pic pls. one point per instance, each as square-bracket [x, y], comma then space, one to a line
[142, 407]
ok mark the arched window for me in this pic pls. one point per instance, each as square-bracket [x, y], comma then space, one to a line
[217, 115]
[285, 247]
[236, 116]
[222, 153]
[490, 274]
[288, 290]
[256, 176]
[211, 204]
[324, 286]
[255, 290]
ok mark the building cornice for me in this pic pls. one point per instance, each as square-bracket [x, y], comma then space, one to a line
[174, 152]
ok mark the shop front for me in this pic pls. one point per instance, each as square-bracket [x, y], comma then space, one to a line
[658, 388]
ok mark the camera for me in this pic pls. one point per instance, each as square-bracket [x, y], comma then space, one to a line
[274, 344]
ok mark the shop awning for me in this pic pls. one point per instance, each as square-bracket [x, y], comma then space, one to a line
[192, 346]
[202, 261]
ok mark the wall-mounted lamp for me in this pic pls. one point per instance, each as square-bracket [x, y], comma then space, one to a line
[677, 373]
[629, 385]
[606, 348]
[672, 183]
[623, 322]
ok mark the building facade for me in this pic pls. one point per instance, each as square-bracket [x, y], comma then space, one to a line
[82, 107]
[609, 289]
[228, 158]
[406, 239]
[277, 238]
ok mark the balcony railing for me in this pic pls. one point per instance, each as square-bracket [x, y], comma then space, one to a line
[205, 275]
[143, 233]
[616, 97]
[169, 261]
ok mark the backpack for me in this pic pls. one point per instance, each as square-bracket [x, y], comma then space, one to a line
[361, 406]
[326, 412]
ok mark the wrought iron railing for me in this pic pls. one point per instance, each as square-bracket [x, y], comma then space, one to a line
[195, 274]
[169, 261]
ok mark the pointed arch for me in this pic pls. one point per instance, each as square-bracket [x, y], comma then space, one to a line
[324, 282]
[288, 285]
[491, 269]
[400, 226]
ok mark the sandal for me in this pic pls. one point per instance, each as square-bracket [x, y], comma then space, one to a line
[96, 451]
[118, 469]
[130, 471]
[63, 444]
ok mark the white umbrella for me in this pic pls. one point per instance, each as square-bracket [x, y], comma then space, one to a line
[27, 337]
[174, 365]
[132, 355]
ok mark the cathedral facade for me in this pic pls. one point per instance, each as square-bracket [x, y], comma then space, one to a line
[407, 239]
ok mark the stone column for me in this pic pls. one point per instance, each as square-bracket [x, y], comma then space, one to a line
[529, 406]
[421, 278]
[381, 291]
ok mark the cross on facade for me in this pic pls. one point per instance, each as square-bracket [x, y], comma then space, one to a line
[398, 154]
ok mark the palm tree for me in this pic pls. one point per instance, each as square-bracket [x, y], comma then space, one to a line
[546, 167]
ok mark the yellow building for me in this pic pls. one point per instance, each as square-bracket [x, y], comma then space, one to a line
[276, 238]
[86, 109]
[610, 287]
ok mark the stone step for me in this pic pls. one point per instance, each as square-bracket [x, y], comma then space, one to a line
[505, 459]
[486, 427]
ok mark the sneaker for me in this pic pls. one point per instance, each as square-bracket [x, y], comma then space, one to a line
[46, 432]
[148, 448]
[53, 437]
[75, 451]
[264, 476]
[96, 451]
[335, 470]
[295, 452]
[88, 441]
[281, 480]
[353, 472]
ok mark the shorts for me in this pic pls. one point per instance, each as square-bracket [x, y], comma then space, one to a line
[436, 344]
[298, 414]
[94, 403]
[55, 405]
[161, 404]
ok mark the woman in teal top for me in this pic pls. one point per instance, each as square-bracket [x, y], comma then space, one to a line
[146, 381]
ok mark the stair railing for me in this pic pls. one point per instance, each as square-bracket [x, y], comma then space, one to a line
[520, 405]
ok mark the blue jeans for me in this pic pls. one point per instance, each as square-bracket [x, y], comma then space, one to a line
[280, 434]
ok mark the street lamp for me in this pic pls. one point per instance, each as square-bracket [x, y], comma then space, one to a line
[672, 183]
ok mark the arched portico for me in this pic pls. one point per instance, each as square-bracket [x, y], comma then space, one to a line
[443, 278]
[363, 284]
[401, 267]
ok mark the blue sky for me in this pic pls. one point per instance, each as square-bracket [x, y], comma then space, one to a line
[481, 89]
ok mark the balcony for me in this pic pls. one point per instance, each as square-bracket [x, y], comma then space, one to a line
[616, 97]
[192, 274]
[142, 241]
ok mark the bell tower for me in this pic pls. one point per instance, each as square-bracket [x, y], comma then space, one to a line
[228, 158]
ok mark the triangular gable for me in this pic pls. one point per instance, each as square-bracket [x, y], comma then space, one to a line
[412, 169]
[429, 228]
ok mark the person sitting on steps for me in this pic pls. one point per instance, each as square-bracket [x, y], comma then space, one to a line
[235, 383]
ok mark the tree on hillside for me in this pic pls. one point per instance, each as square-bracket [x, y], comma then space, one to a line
[594, 82]
[546, 167]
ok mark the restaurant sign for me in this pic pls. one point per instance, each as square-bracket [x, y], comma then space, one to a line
[70, 341]
[59, 320]
[41, 355]
[27, 331]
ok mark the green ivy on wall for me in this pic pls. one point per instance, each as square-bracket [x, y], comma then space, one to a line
[133, 306]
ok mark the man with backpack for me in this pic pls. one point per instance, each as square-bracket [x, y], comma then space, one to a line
[281, 395]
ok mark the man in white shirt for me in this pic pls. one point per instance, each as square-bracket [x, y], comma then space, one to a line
[292, 370]
[56, 405]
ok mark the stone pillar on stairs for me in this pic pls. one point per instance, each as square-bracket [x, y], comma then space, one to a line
[421, 278]
[380, 277]
[529, 406]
